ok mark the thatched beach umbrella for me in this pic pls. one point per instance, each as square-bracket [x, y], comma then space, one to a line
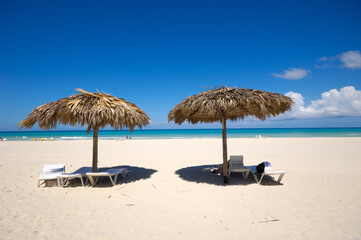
[225, 103]
[95, 110]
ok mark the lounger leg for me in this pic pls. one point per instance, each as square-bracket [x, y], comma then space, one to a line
[62, 181]
[255, 177]
[91, 180]
[96, 180]
[39, 184]
[112, 180]
[261, 178]
[280, 178]
[116, 178]
[245, 174]
[87, 180]
[65, 181]
[81, 179]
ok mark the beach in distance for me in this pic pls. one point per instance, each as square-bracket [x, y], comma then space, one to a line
[171, 193]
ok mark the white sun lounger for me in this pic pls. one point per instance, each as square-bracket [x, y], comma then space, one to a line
[266, 173]
[80, 173]
[114, 172]
[236, 165]
[51, 172]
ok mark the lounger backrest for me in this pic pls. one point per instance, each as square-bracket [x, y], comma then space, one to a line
[54, 168]
[236, 161]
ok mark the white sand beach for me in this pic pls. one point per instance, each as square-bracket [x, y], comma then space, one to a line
[170, 192]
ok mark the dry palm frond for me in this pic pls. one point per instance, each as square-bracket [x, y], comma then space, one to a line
[95, 110]
[231, 103]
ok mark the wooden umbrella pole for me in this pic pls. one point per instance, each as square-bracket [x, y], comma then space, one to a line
[224, 141]
[95, 149]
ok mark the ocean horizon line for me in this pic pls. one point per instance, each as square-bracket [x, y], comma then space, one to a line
[66, 135]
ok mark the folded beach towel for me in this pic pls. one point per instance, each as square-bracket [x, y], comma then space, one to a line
[267, 167]
[264, 167]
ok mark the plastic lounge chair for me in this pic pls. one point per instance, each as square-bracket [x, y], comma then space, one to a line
[265, 173]
[115, 172]
[51, 172]
[80, 173]
[236, 165]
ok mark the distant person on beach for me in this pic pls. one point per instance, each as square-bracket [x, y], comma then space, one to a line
[1, 139]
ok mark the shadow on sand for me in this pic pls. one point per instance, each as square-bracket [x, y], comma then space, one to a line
[203, 174]
[133, 174]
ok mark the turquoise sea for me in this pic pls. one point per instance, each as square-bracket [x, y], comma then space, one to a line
[183, 133]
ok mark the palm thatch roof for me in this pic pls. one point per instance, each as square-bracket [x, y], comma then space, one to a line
[223, 103]
[231, 103]
[91, 109]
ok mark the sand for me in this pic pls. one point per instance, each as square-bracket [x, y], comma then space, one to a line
[171, 194]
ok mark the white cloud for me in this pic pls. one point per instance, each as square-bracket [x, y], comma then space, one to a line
[322, 59]
[334, 103]
[325, 65]
[351, 59]
[292, 73]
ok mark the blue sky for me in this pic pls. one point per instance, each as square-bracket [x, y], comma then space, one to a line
[156, 53]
